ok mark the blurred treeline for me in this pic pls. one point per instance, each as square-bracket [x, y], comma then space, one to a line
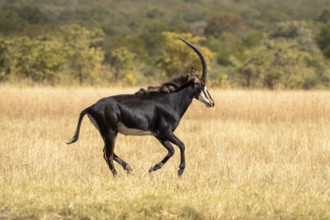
[248, 43]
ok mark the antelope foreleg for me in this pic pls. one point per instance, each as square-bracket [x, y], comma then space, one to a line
[172, 138]
[170, 153]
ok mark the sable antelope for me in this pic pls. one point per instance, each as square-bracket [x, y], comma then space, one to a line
[156, 113]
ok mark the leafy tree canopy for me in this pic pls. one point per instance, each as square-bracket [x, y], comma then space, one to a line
[250, 43]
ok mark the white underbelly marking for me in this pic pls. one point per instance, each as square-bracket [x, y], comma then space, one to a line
[131, 131]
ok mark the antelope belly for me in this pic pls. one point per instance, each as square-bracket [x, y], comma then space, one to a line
[132, 131]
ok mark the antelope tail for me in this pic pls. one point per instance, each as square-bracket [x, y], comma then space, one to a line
[76, 135]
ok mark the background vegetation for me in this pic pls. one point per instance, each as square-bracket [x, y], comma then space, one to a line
[250, 43]
[257, 155]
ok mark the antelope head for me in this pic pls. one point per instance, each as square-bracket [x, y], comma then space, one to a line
[202, 94]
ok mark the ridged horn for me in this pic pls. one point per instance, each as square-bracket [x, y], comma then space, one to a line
[201, 57]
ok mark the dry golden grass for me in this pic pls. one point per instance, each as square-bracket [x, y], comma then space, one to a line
[256, 155]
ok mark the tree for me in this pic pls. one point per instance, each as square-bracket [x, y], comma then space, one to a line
[225, 22]
[289, 58]
[324, 16]
[70, 53]
[11, 21]
[301, 36]
[38, 60]
[277, 64]
[84, 51]
[231, 33]
[299, 33]
[33, 15]
[122, 64]
[323, 40]
[4, 60]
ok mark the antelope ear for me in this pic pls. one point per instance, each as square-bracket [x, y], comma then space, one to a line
[194, 73]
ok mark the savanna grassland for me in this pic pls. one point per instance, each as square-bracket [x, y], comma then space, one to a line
[255, 155]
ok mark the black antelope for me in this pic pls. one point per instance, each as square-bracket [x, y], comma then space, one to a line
[156, 112]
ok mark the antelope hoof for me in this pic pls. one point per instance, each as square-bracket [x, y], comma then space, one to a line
[114, 172]
[180, 172]
[128, 169]
[156, 167]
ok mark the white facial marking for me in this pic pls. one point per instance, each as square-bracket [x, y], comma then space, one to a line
[205, 98]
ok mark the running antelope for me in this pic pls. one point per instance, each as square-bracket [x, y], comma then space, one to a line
[156, 112]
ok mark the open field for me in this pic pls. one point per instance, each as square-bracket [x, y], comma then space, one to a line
[256, 155]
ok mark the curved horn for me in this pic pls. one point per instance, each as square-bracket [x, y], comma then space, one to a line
[201, 57]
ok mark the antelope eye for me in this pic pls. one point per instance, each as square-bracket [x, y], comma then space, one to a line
[198, 86]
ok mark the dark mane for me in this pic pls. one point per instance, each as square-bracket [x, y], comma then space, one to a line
[172, 85]
[168, 87]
